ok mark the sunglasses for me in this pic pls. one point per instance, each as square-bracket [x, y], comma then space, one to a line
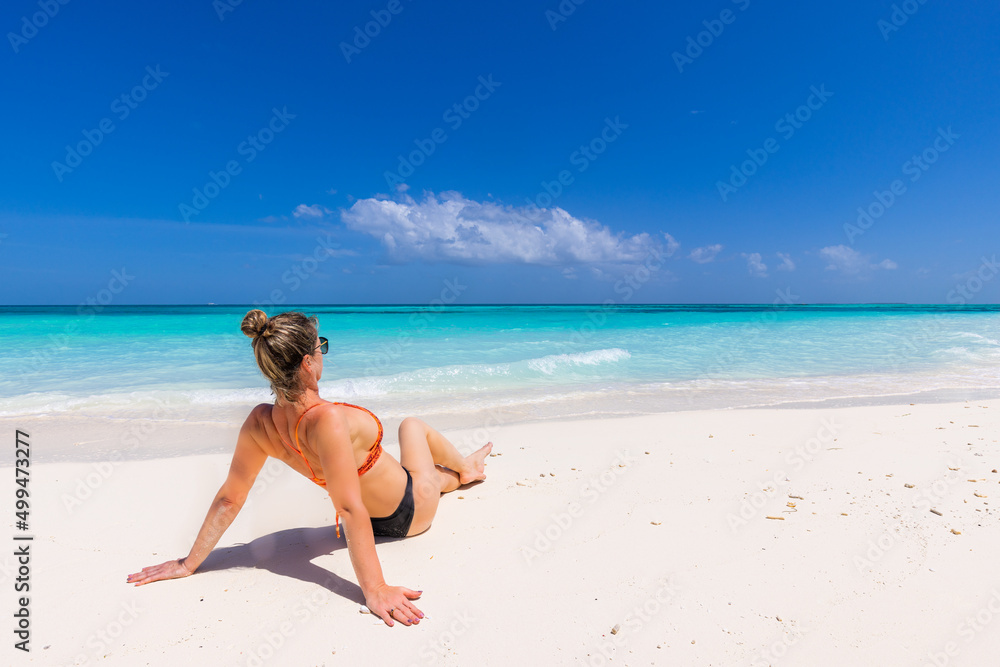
[324, 345]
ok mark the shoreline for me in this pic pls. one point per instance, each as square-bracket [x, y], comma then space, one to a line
[575, 531]
[95, 437]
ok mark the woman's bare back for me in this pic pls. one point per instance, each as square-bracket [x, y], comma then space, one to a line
[382, 486]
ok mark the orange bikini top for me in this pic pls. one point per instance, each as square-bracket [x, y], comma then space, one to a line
[373, 453]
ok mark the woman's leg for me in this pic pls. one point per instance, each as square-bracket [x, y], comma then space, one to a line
[436, 467]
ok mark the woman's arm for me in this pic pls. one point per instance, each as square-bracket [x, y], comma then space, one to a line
[247, 462]
[332, 434]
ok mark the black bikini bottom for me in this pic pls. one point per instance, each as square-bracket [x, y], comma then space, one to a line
[398, 523]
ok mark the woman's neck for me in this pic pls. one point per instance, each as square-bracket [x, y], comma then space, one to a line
[308, 398]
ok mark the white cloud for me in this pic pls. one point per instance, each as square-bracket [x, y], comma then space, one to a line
[851, 262]
[757, 268]
[844, 259]
[449, 227]
[705, 254]
[672, 244]
[311, 212]
[786, 262]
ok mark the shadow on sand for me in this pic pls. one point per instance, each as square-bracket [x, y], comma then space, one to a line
[289, 553]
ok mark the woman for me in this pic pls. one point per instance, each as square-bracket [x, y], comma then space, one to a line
[338, 446]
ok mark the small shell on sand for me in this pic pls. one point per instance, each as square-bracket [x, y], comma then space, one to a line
[955, 532]
[520, 483]
[909, 486]
[364, 610]
[978, 495]
[655, 523]
[614, 630]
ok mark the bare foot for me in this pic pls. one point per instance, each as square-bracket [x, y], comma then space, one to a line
[475, 468]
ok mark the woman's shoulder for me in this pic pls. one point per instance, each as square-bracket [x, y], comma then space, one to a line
[329, 418]
[327, 412]
[259, 419]
[259, 411]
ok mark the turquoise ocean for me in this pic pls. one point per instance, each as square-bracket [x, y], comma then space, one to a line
[518, 363]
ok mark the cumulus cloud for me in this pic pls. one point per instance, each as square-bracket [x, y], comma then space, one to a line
[850, 262]
[755, 266]
[310, 212]
[705, 254]
[449, 227]
[786, 262]
[672, 244]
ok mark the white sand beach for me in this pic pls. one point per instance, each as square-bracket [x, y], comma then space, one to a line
[659, 526]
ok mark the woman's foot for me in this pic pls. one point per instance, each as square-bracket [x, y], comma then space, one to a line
[475, 468]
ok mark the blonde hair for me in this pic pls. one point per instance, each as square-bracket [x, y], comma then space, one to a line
[279, 343]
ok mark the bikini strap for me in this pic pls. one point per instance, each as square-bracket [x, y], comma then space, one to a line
[300, 420]
[369, 463]
[378, 439]
[373, 453]
[297, 449]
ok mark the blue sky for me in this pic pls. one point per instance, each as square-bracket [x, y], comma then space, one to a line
[535, 152]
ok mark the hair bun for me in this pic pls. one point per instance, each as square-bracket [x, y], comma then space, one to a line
[254, 323]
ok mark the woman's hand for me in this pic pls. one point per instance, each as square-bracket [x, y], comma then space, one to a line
[392, 603]
[172, 569]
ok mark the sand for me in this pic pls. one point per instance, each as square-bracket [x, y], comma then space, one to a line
[656, 525]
